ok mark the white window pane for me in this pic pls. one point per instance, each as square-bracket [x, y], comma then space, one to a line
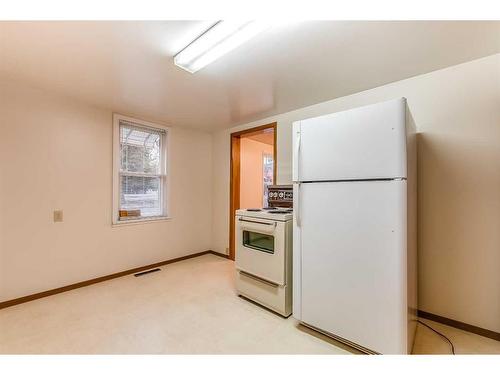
[141, 193]
[267, 176]
[140, 150]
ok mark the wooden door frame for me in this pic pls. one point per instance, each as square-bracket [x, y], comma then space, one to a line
[234, 175]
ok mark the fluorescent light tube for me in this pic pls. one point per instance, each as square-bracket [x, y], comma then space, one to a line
[221, 38]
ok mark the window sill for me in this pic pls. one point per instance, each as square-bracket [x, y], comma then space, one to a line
[143, 220]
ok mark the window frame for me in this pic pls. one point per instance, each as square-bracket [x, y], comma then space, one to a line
[164, 168]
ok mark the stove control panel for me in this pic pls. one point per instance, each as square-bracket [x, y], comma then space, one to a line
[280, 196]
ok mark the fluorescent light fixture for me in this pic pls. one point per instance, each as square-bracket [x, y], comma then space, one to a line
[221, 38]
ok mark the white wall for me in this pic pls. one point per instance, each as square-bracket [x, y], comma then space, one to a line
[57, 154]
[457, 112]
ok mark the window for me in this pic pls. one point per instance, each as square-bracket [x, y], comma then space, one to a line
[139, 170]
[267, 176]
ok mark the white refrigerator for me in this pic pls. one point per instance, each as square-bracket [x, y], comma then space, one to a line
[354, 248]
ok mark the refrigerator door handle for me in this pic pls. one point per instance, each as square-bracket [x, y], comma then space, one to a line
[296, 161]
[297, 209]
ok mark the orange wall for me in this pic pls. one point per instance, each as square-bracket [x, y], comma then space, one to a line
[251, 188]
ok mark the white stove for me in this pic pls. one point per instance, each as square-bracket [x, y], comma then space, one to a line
[264, 252]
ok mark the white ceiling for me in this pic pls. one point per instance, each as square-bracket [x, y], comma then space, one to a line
[128, 66]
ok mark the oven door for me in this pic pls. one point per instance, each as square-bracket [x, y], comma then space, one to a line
[260, 248]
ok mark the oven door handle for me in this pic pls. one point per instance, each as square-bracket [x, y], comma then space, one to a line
[256, 226]
[256, 222]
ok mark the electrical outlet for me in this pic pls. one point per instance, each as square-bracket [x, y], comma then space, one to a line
[58, 216]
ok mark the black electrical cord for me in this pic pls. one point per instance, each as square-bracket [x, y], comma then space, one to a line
[440, 334]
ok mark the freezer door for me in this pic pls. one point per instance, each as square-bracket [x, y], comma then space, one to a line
[353, 261]
[363, 143]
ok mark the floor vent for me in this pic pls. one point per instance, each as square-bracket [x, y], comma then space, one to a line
[146, 272]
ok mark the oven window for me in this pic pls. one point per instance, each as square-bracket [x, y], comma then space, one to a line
[258, 241]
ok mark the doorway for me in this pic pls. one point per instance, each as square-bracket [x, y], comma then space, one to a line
[253, 168]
